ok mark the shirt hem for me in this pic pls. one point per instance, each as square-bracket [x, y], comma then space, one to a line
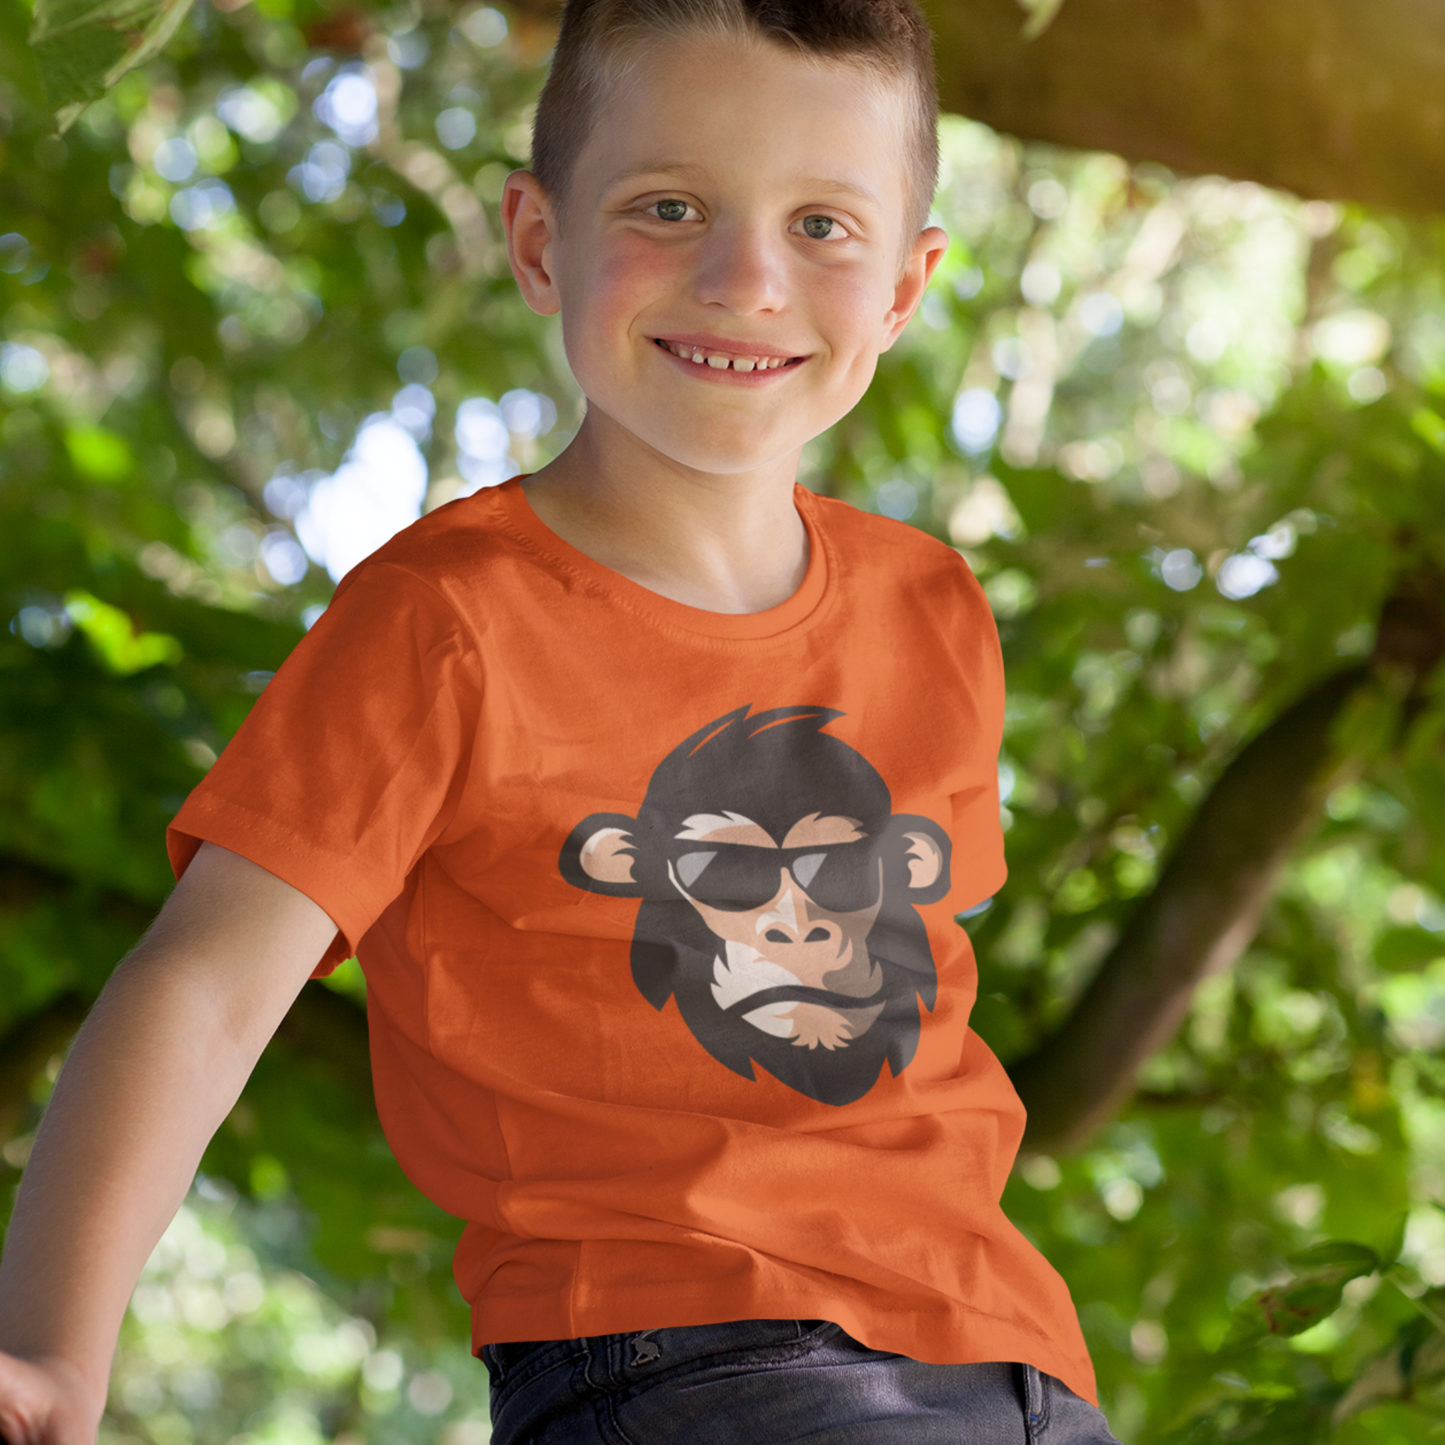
[970, 1337]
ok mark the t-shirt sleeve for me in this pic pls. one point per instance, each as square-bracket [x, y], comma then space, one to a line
[350, 763]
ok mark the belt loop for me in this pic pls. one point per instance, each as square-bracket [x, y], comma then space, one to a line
[1035, 1413]
[494, 1366]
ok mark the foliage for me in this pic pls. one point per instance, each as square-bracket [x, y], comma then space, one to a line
[83, 49]
[226, 1333]
[1190, 435]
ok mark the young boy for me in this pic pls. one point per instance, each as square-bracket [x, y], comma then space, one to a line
[729, 1157]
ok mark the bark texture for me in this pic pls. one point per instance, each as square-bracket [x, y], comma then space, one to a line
[1332, 98]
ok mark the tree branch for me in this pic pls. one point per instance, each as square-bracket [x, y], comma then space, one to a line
[23, 883]
[1205, 909]
[1202, 914]
[25, 1050]
[322, 1026]
[1325, 99]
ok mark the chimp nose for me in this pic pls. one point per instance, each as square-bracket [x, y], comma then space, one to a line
[789, 919]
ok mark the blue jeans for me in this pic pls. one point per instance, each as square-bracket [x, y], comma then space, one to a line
[769, 1382]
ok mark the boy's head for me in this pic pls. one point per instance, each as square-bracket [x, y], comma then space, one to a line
[726, 209]
[599, 41]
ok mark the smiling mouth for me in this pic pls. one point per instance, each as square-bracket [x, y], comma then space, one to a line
[725, 361]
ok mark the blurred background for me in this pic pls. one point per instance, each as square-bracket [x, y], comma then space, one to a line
[1177, 394]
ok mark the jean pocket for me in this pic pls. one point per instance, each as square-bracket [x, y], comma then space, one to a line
[733, 1343]
[505, 1359]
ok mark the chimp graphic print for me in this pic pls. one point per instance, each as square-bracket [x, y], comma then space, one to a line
[778, 896]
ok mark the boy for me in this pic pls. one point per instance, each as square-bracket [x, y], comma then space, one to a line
[730, 1158]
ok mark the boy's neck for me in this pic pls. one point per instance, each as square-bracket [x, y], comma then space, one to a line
[723, 543]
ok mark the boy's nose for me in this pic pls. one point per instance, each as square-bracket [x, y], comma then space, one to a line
[740, 270]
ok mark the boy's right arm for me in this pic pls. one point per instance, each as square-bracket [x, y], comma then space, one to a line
[157, 1067]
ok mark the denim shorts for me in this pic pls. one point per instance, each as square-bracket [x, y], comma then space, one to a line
[769, 1382]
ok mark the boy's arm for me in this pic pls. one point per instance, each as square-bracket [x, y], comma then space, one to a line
[157, 1067]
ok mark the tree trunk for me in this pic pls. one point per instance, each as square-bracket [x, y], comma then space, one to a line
[1333, 98]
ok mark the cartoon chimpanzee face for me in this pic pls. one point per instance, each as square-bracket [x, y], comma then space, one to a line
[778, 892]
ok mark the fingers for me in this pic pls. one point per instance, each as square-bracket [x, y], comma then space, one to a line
[41, 1404]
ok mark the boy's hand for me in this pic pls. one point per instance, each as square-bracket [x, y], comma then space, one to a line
[157, 1067]
[45, 1403]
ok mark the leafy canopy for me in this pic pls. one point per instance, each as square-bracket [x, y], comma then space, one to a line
[1190, 434]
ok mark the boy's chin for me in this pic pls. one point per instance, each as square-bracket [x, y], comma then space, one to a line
[724, 454]
[709, 445]
[729, 461]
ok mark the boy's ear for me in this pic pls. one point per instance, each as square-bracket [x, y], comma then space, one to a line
[918, 266]
[531, 225]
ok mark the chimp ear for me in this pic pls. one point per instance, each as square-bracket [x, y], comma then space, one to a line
[925, 850]
[598, 856]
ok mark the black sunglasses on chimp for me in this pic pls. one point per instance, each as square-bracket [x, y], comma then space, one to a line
[735, 877]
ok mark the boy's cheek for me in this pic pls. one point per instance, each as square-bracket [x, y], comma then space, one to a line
[623, 260]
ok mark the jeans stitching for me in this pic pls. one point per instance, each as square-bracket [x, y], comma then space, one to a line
[1036, 1408]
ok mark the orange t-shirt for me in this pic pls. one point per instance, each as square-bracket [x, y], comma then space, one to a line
[657, 912]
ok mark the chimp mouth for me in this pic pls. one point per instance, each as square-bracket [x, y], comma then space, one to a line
[796, 993]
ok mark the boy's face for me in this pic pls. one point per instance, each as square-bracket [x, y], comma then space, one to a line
[733, 203]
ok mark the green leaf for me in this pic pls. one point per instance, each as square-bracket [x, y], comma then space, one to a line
[1339, 1254]
[1290, 1309]
[1293, 1310]
[1408, 948]
[114, 637]
[99, 454]
[83, 48]
[1040, 16]
[1430, 427]
[1396, 1241]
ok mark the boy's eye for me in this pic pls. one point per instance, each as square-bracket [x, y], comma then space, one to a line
[670, 210]
[822, 228]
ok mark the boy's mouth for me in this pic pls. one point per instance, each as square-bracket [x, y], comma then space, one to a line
[725, 360]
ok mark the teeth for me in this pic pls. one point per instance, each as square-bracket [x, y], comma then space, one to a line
[697, 356]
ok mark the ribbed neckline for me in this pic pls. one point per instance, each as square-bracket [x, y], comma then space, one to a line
[748, 626]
